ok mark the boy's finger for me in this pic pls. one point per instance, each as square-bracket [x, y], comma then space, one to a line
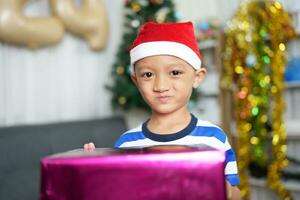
[85, 146]
[91, 146]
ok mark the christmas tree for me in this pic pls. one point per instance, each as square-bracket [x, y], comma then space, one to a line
[125, 95]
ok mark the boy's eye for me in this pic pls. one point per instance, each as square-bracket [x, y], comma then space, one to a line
[147, 75]
[176, 73]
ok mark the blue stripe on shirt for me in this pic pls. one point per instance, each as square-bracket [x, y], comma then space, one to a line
[129, 137]
[233, 179]
[230, 156]
[209, 132]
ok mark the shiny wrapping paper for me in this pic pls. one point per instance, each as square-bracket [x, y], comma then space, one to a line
[175, 173]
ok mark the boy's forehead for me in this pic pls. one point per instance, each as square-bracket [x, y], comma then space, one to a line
[162, 60]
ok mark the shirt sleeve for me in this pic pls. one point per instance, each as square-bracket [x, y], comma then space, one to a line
[231, 170]
[119, 142]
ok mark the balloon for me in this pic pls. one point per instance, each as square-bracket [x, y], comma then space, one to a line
[88, 21]
[33, 32]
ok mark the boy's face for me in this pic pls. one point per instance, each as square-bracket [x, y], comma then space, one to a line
[166, 82]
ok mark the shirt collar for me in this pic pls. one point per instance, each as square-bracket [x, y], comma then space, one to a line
[172, 136]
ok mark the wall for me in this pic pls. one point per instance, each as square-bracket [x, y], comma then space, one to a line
[60, 83]
[201, 9]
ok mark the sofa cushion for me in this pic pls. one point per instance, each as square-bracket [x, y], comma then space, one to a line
[22, 147]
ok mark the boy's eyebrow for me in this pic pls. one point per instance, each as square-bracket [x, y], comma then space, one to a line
[170, 64]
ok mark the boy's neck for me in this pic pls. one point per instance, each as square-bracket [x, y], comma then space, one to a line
[169, 123]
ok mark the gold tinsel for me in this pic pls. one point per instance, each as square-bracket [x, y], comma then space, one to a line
[253, 69]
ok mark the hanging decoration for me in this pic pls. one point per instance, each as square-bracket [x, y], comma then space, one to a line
[88, 21]
[125, 95]
[254, 64]
[33, 32]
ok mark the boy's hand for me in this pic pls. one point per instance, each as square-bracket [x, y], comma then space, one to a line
[229, 191]
[89, 147]
[233, 192]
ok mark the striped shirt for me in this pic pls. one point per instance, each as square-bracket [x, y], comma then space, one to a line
[197, 132]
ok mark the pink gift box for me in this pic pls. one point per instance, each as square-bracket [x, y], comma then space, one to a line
[153, 173]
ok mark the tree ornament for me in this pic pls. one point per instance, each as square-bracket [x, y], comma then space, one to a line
[135, 23]
[120, 70]
[162, 14]
[136, 7]
[122, 100]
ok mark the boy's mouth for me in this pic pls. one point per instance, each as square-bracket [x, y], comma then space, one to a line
[164, 99]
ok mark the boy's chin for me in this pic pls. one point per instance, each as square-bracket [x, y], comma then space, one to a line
[164, 109]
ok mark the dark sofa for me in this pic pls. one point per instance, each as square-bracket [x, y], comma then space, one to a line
[21, 148]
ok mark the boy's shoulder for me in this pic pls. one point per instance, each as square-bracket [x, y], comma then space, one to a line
[209, 129]
[205, 123]
[131, 135]
[133, 131]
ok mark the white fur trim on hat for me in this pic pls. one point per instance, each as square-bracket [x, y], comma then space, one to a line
[165, 48]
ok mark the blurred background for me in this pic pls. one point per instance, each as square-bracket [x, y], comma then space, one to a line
[64, 72]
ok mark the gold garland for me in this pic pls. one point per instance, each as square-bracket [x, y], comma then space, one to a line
[253, 69]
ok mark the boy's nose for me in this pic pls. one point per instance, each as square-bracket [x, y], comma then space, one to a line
[161, 84]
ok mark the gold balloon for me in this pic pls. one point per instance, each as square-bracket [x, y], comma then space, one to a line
[23, 30]
[88, 21]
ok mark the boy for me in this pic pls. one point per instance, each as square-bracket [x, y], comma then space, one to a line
[166, 67]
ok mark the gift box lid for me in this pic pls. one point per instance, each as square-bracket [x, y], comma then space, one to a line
[151, 173]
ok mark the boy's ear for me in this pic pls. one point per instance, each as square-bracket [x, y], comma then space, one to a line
[199, 76]
[133, 78]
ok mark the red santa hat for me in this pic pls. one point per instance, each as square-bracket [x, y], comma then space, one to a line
[176, 39]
